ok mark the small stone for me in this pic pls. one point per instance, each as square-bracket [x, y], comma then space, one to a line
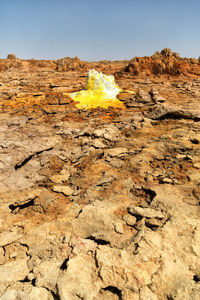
[110, 133]
[145, 212]
[152, 223]
[143, 97]
[65, 190]
[197, 165]
[99, 132]
[130, 220]
[153, 92]
[181, 156]
[60, 178]
[33, 262]
[158, 98]
[195, 176]
[118, 226]
[98, 144]
[31, 276]
[117, 152]
[167, 180]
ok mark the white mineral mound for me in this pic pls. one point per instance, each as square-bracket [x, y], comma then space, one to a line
[100, 90]
[97, 81]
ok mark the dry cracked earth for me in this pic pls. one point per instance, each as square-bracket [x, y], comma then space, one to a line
[99, 204]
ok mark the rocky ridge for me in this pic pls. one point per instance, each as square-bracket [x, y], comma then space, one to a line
[99, 204]
[165, 62]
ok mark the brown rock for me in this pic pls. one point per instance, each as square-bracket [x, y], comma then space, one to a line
[143, 97]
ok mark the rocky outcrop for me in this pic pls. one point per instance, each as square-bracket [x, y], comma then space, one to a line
[70, 64]
[65, 64]
[164, 62]
[11, 62]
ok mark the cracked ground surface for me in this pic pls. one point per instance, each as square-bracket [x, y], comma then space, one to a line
[99, 204]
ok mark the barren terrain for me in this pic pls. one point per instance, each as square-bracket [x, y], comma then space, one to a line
[100, 204]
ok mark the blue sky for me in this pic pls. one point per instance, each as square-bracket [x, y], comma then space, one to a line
[98, 29]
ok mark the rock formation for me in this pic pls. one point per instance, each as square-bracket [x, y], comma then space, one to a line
[164, 62]
[70, 64]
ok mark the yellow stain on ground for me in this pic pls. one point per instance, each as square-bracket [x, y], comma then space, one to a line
[100, 91]
[127, 91]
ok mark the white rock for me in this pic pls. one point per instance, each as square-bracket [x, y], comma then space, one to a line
[118, 226]
[167, 180]
[130, 220]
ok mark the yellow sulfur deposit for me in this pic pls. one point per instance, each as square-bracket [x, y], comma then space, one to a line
[101, 90]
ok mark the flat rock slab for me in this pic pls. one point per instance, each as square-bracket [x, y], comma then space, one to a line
[65, 190]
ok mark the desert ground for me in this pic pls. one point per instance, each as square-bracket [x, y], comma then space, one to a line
[100, 204]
